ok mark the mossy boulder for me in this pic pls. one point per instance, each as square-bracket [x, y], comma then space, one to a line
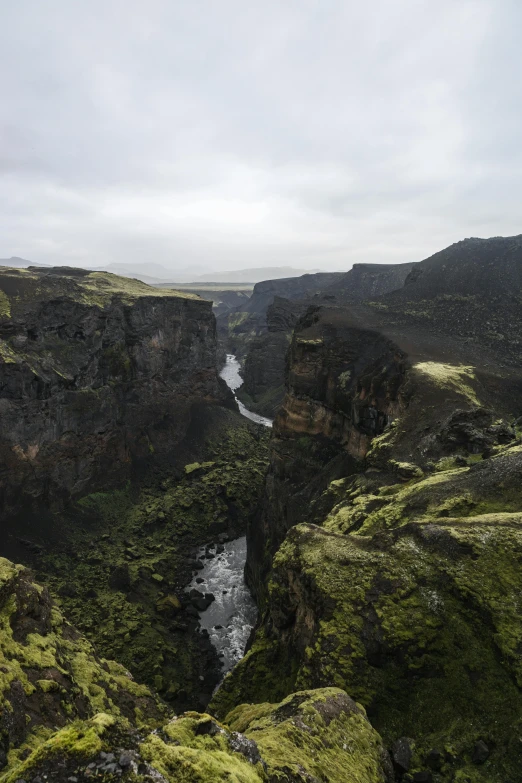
[313, 735]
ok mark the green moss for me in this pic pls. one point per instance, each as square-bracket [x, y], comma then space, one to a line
[79, 740]
[5, 305]
[237, 319]
[7, 354]
[457, 378]
[320, 735]
[197, 466]
[56, 660]
[399, 624]
[150, 534]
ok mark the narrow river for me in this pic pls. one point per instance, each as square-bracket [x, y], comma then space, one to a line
[231, 376]
[231, 616]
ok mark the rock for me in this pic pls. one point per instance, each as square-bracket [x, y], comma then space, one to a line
[120, 577]
[207, 727]
[68, 590]
[422, 777]
[247, 747]
[199, 580]
[43, 684]
[401, 753]
[196, 565]
[480, 752]
[434, 759]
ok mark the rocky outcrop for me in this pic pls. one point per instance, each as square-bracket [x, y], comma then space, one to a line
[50, 674]
[222, 299]
[238, 329]
[313, 735]
[264, 364]
[96, 372]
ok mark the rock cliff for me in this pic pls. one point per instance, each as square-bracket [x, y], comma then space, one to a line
[386, 555]
[96, 372]
[264, 361]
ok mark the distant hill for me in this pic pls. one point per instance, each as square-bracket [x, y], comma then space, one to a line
[253, 275]
[19, 263]
[153, 273]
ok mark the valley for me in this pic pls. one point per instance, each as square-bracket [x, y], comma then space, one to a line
[279, 545]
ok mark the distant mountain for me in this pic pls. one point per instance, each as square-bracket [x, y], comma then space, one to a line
[253, 275]
[147, 273]
[152, 272]
[19, 263]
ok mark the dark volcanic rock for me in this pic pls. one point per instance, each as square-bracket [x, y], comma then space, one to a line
[264, 363]
[96, 371]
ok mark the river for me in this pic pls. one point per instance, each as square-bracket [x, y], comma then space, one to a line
[231, 616]
[231, 376]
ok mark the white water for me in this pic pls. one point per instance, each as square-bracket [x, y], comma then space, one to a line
[231, 617]
[231, 376]
[234, 611]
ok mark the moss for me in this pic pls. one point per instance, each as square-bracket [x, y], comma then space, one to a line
[55, 660]
[312, 342]
[320, 735]
[7, 354]
[117, 360]
[461, 491]
[457, 378]
[79, 740]
[5, 305]
[197, 466]
[399, 624]
[236, 319]
[149, 535]
[187, 765]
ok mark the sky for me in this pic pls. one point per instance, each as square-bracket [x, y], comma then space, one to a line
[224, 134]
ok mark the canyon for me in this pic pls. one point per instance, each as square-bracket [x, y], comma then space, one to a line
[382, 513]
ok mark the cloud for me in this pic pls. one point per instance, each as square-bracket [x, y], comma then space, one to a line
[307, 132]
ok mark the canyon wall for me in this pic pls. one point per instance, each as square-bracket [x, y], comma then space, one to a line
[96, 372]
[386, 555]
[264, 361]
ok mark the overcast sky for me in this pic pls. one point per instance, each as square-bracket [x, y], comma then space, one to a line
[231, 133]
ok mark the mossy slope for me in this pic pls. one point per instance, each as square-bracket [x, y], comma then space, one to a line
[125, 590]
[50, 674]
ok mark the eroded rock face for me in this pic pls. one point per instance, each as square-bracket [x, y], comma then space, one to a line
[96, 372]
[264, 361]
[343, 385]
